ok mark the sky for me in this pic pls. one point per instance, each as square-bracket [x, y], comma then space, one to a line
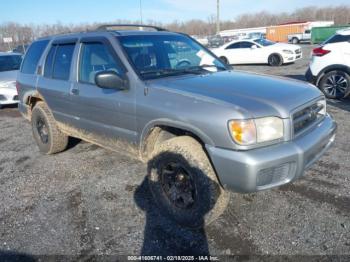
[81, 11]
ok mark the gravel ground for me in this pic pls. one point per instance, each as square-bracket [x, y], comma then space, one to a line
[88, 201]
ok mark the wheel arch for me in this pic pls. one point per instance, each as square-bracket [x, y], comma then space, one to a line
[330, 68]
[162, 129]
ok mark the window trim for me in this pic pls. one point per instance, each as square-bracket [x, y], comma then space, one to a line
[53, 61]
[98, 40]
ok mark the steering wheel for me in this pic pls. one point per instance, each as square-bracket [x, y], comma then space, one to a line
[182, 63]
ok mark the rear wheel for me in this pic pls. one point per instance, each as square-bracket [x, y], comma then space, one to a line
[335, 84]
[275, 60]
[46, 133]
[224, 59]
[184, 184]
[295, 40]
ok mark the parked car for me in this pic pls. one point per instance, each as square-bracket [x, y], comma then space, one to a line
[9, 65]
[258, 51]
[302, 37]
[21, 49]
[329, 68]
[215, 41]
[202, 128]
[202, 40]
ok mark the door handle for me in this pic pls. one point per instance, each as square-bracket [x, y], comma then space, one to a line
[74, 91]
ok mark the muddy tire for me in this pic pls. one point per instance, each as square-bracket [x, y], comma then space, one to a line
[46, 133]
[184, 184]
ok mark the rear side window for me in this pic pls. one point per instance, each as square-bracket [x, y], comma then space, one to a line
[338, 39]
[234, 46]
[58, 61]
[32, 57]
[96, 57]
[10, 62]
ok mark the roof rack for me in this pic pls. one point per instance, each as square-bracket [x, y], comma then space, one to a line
[140, 27]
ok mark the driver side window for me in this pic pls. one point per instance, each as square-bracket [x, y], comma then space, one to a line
[234, 46]
[96, 57]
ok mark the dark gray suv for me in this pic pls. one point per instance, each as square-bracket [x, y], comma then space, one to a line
[203, 128]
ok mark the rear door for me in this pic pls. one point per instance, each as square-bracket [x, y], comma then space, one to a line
[107, 112]
[56, 81]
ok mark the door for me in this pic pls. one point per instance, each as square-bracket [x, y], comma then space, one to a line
[55, 83]
[106, 112]
[233, 54]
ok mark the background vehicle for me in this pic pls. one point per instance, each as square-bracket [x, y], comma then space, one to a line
[9, 65]
[330, 65]
[202, 128]
[258, 51]
[215, 41]
[21, 49]
[302, 37]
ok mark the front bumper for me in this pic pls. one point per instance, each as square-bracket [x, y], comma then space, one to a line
[289, 58]
[268, 167]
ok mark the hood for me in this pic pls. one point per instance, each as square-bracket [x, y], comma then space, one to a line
[257, 94]
[8, 76]
[285, 46]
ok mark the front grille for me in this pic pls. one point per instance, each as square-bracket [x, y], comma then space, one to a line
[298, 51]
[308, 116]
[15, 98]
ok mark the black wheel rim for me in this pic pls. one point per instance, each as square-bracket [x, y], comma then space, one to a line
[335, 85]
[178, 185]
[43, 130]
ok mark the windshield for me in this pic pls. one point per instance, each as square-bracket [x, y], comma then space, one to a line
[10, 62]
[264, 42]
[155, 56]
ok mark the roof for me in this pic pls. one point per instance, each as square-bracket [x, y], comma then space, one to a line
[108, 32]
[345, 31]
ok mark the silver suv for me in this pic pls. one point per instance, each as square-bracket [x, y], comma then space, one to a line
[203, 128]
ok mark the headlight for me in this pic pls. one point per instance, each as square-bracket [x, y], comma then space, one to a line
[289, 52]
[322, 104]
[248, 132]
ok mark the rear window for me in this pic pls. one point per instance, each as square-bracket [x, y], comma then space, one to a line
[32, 57]
[337, 39]
[10, 62]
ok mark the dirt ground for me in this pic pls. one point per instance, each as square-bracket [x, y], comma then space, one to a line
[88, 201]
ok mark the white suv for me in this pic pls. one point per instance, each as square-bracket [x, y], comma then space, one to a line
[330, 65]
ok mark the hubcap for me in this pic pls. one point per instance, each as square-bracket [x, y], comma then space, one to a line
[178, 185]
[42, 130]
[335, 84]
[274, 60]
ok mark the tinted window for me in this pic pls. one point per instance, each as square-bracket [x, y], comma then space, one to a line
[96, 57]
[32, 57]
[307, 31]
[10, 62]
[49, 61]
[246, 45]
[234, 46]
[338, 39]
[63, 61]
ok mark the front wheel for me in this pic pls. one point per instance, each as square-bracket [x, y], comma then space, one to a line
[335, 84]
[275, 60]
[295, 40]
[184, 184]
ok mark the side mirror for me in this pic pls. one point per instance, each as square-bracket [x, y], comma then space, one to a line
[110, 80]
[254, 47]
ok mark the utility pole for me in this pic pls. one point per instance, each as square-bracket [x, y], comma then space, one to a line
[141, 12]
[217, 16]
